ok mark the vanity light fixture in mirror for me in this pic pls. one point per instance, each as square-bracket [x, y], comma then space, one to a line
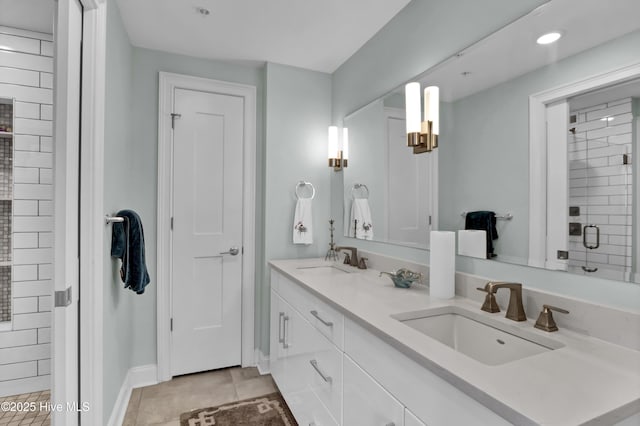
[422, 136]
[338, 148]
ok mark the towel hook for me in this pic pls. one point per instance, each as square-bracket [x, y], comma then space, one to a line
[302, 184]
[363, 187]
[113, 219]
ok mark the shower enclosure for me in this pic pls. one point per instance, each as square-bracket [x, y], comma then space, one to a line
[600, 189]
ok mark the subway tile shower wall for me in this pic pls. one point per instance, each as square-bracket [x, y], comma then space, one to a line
[601, 185]
[26, 74]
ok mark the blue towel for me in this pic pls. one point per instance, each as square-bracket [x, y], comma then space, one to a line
[127, 244]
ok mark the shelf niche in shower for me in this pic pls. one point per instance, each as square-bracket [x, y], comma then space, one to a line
[6, 205]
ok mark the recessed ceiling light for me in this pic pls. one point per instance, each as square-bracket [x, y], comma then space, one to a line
[549, 37]
[202, 11]
[607, 118]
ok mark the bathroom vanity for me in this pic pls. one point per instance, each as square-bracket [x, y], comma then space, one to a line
[348, 348]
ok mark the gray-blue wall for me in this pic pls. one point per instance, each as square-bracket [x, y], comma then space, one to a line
[119, 304]
[298, 113]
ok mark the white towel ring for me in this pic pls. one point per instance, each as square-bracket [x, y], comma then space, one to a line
[364, 189]
[303, 184]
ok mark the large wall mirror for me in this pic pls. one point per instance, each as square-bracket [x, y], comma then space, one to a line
[588, 83]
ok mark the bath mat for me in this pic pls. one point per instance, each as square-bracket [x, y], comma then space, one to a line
[267, 410]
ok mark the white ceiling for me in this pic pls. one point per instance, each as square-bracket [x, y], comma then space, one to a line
[33, 15]
[316, 35]
[512, 51]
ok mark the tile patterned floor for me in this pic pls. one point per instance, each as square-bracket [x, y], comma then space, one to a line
[25, 409]
[162, 404]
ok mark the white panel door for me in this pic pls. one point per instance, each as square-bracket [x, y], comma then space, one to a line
[409, 187]
[207, 223]
[68, 38]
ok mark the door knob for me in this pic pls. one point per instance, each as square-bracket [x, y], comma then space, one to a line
[233, 251]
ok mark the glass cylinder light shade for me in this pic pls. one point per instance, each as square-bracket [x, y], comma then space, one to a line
[432, 107]
[333, 142]
[345, 143]
[412, 102]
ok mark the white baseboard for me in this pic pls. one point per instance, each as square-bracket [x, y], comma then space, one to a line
[143, 375]
[262, 362]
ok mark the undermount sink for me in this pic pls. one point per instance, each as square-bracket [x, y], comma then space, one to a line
[324, 270]
[477, 336]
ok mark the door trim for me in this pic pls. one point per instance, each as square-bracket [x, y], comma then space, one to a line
[168, 82]
[538, 150]
[92, 230]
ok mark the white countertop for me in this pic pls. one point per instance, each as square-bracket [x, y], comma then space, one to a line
[586, 381]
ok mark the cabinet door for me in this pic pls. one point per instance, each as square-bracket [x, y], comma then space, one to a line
[366, 403]
[411, 420]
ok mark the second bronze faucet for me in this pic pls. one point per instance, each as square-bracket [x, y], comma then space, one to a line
[515, 311]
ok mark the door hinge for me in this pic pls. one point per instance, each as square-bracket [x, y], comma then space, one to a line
[171, 325]
[62, 298]
[173, 119]
[172, 224]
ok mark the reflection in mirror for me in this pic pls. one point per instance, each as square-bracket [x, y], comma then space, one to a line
[483, 161]
[399, 195]
[600, 145]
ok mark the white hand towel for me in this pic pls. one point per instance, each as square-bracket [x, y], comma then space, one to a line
[361, 212]
[472, 243]
[303, 222]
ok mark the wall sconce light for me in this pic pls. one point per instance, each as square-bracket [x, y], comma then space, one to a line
[338, 148]
[422, 136]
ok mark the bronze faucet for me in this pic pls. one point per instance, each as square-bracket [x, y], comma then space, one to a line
[353, 259]
[515, 311]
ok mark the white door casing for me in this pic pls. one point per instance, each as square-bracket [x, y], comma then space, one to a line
[67, 72]
[558, 184]
[207, 194]
[168, 83]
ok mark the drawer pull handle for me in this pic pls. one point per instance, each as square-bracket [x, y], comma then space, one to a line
[390, 424]
[285, 343]
[314, 364]
[327, 323]
[280, 326]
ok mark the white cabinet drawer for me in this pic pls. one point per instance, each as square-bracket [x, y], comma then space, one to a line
[324, 318]
[325, 368]
[308, 410]
[303, 361]
[366, 403]
[433, 400]
[411, 420]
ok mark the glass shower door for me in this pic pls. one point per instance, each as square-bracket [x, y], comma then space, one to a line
[600, 194]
